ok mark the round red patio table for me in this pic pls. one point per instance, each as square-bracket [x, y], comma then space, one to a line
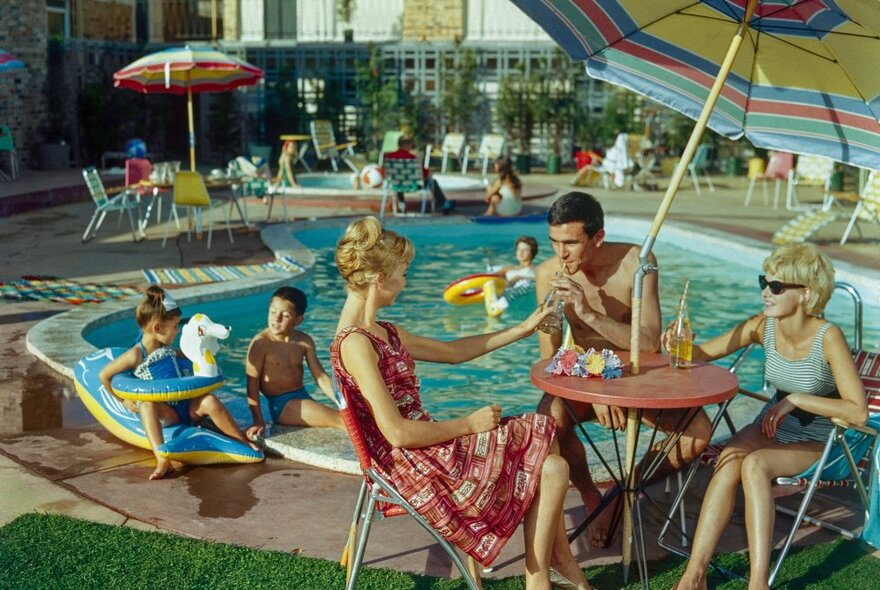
[657, 387]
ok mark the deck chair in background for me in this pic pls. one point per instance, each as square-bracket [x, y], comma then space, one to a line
[124, 202]
[491, 147]
[403, 176]
[389, 144]
[779, 168]
[810, 171]
[9, 171]
[452, 146]
[377, 499]
[698, 166]
[867, 204]
[190, 191]
[326, 148]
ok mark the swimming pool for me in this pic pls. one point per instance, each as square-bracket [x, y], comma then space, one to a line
[723, 290]
[342, 182]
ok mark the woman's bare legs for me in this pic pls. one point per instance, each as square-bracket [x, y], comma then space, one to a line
[208, 405]
[758, 471]
[542, 521]
[718, 503]
[493, 205]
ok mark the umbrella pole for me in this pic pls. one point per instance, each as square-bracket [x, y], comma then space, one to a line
[192, 133]
[646, 266]
[675, 182]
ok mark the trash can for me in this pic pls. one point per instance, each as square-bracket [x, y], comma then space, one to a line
[732, 166]
[523, 163]
[553, 164]
[837, 181]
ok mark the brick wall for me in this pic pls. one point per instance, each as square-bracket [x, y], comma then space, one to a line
[433, 20]
[23, 104]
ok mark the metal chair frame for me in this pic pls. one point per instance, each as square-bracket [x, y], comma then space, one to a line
[403, 176]
[123, 202]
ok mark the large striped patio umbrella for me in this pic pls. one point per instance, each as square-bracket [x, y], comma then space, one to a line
[792, 75]
[9, 62]
[187, 70]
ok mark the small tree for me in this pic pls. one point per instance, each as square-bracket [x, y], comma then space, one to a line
[224, 131]
[555, 104]
[379, 99]
[418, 116]
[515, 111]
[461, 95]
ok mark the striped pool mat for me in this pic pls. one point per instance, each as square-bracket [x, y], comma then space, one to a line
[212, 274]
[44, 288]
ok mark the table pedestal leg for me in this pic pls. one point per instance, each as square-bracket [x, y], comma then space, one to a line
[632, 427]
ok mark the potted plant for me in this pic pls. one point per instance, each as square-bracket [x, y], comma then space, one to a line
[345, 11]
[515, 112]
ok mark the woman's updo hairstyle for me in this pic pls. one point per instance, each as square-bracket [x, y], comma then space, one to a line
[155, 307]
[367, 252]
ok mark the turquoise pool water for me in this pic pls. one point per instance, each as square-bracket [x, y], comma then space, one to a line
[342, 182]
[721, 293]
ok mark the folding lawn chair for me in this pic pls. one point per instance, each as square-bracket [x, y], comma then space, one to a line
[491, 146]
[867, 204]
[389, 144]
[778, 168]
[8, 153]
[810, 171]
[403, 176]
[698, 166]
[326, 148]
[378, 499]
[453, 145]
[123, 202]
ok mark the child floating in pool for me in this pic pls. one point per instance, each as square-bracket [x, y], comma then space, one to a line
[158, 316]
[274, 366]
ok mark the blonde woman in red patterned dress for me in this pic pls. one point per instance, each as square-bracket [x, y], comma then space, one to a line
[473, 478]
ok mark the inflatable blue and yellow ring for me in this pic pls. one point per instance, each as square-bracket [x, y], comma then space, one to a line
[166, 389]
[186, 443]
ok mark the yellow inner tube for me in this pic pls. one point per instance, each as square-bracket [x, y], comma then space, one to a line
[469, 289]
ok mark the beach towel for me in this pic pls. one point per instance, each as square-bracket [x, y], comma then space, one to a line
[617, 161]
[47, 288]
[211, 274]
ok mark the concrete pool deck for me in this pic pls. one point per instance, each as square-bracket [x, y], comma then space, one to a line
[55, 458]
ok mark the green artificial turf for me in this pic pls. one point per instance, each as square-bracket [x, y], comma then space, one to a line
[56, 552]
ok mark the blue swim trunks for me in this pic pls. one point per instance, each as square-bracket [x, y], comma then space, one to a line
[277, 402]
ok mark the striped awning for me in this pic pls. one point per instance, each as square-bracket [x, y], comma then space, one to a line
[806, 80]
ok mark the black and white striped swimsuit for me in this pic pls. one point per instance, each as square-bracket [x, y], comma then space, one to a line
[810, 375]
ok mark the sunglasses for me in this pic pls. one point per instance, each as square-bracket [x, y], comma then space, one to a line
[777, 287]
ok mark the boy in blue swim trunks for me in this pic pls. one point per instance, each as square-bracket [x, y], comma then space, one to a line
[274, 366]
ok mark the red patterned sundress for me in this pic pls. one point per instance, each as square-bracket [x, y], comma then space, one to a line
[475, 489]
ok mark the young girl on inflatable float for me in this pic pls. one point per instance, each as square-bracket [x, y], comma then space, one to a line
[158, 316]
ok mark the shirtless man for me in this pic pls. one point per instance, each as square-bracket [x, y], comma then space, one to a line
[274, 366]
[596, 280]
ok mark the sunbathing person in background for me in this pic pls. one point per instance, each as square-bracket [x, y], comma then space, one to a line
[504, 196]
[159, 319]
[475, 477]
[809, 363]
[274, 366]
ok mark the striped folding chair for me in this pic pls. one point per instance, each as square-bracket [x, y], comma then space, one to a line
[378, 499]
[403, 176]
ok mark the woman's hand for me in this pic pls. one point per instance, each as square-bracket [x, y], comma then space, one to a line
[531, 323]
[130, 405]
[774, 416]
[255, 431]
[484, 419]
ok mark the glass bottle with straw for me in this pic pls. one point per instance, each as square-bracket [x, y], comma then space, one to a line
[681, 343]
[553, 322]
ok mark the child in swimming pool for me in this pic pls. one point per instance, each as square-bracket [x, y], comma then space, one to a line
[274, 366]
[158, 316]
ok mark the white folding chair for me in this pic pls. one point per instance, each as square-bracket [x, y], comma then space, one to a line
[453, 145]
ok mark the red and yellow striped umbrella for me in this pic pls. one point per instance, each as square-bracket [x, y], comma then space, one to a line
[187, 70]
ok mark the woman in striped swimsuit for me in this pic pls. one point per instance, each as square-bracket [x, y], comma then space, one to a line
[809, 364]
